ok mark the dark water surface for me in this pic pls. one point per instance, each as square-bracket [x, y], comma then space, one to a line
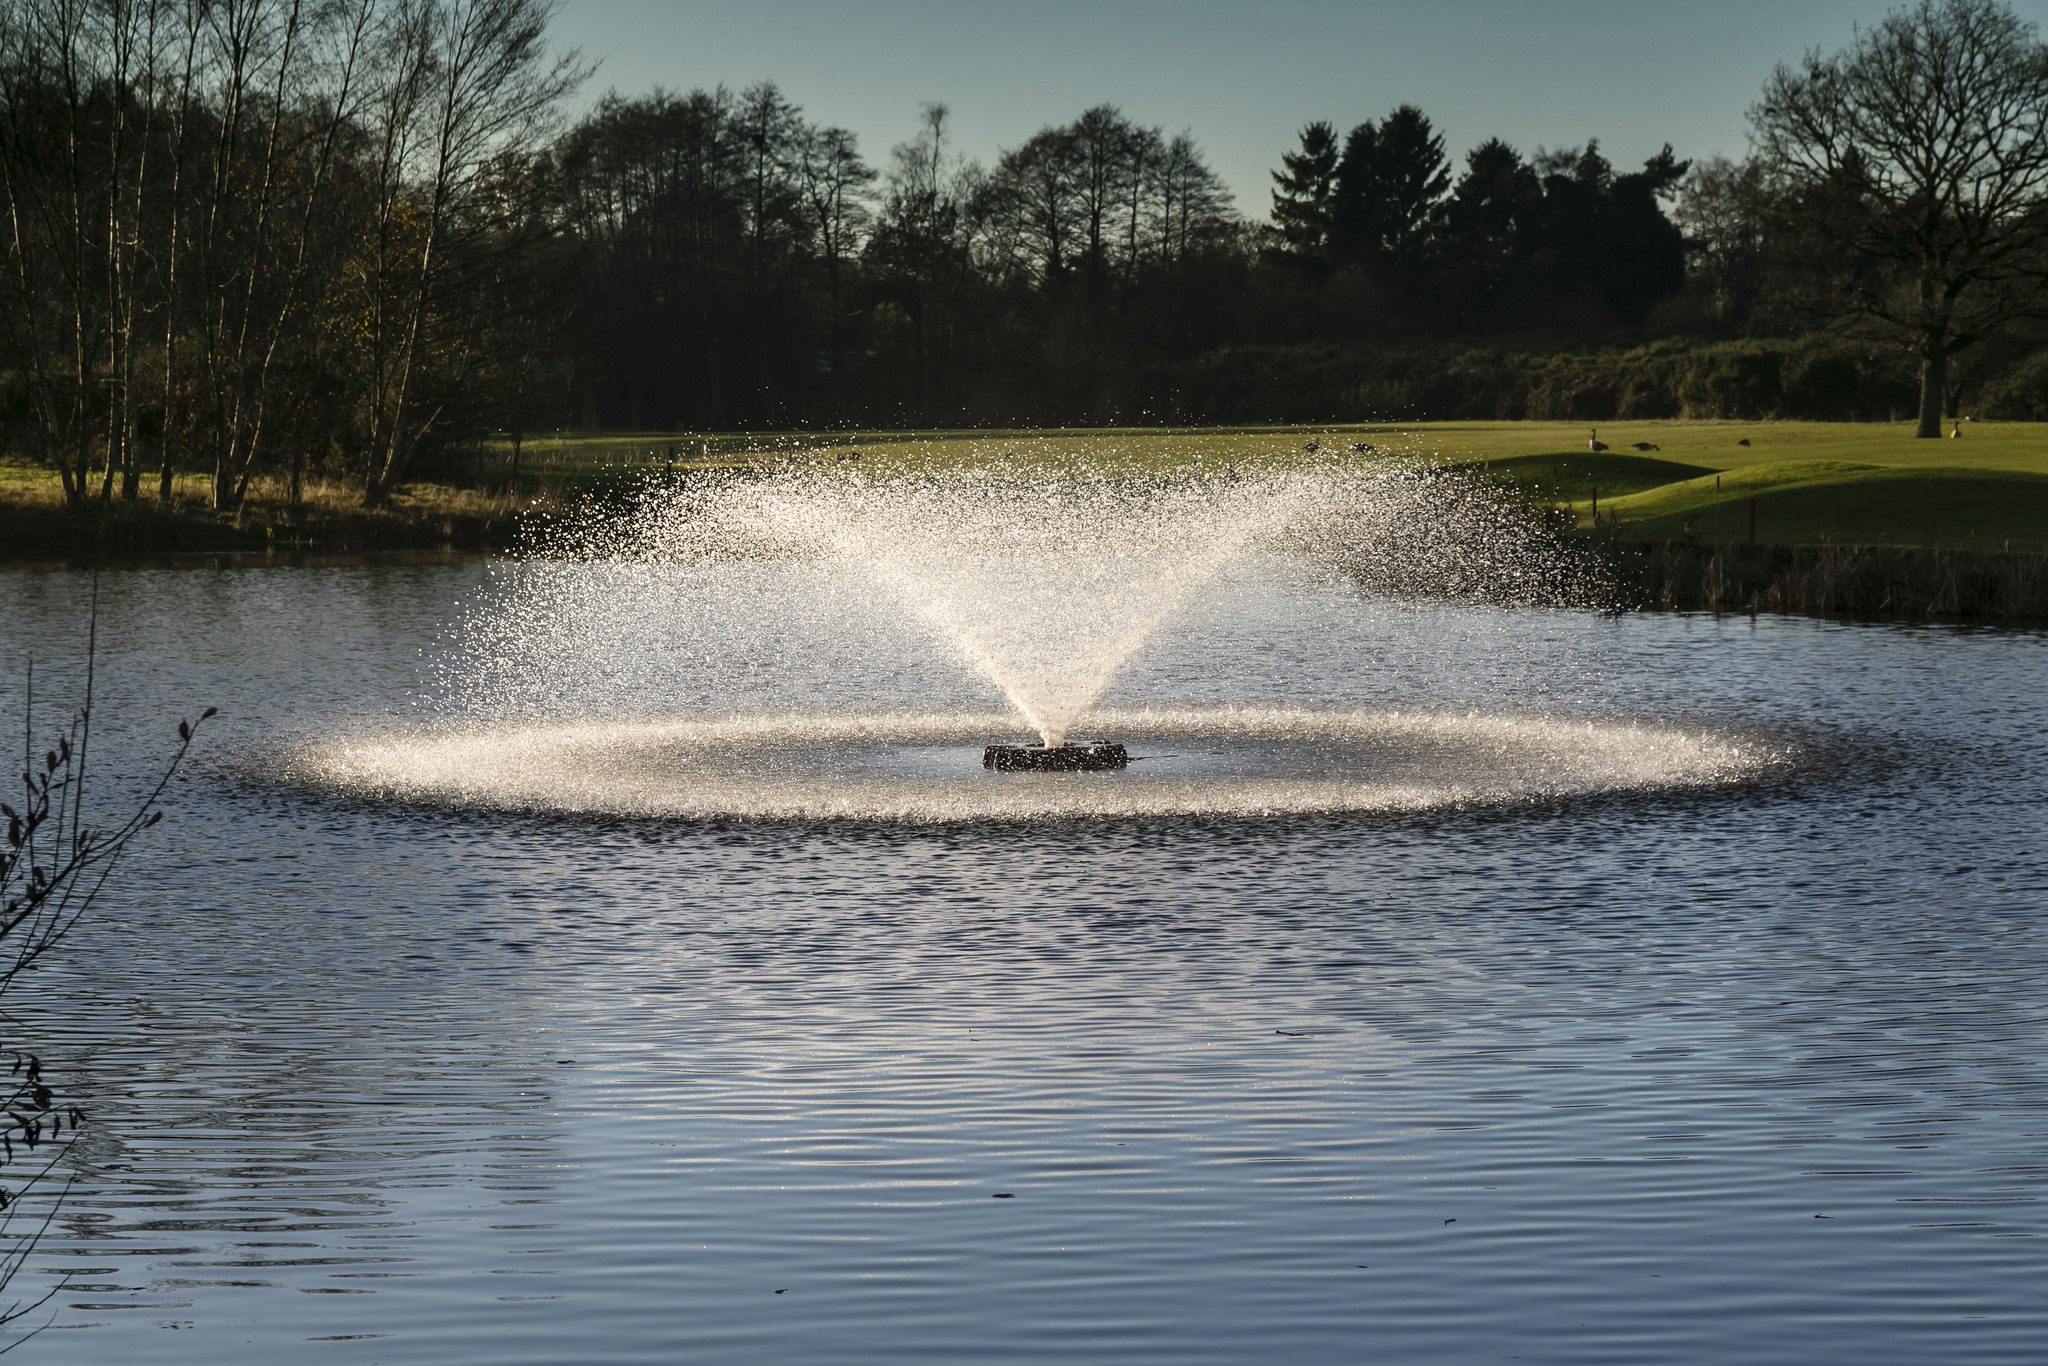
[1749, 1073]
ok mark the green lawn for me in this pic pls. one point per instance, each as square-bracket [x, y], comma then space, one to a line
[1813, 483]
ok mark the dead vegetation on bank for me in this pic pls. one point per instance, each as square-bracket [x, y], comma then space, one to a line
[1830, 581]
[328, 518]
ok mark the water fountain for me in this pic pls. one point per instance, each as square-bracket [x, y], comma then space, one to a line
[795, 605]
[1075, 756]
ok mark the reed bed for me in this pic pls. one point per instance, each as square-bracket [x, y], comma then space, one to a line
[1832, 580]
[328, 517]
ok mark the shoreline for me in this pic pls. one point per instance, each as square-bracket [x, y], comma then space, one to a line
[431, 523]
[1868, 582]
[145, 529]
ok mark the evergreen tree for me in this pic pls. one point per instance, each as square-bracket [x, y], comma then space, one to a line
[1490, 229]
[1645, 251]
[1306, 184]
[1605, 237]
[1391, 184]
[1491, 219]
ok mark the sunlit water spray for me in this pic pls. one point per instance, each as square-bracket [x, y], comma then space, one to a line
[1045, 591]
[720, 651]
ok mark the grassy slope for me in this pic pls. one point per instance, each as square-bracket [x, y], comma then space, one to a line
[1814, 483]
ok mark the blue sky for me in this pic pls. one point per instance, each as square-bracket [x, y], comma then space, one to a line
[1242, 77]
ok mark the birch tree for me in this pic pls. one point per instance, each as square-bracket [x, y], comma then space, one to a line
[463, 80]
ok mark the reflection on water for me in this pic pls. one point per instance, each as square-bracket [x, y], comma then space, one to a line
[1745, 1071]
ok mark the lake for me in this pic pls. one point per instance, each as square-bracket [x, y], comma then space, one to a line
[1746, 1060]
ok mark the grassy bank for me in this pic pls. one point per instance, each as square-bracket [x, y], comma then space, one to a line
[1814, 484]
[1832, 581]
[1811, 485]
[330, 519]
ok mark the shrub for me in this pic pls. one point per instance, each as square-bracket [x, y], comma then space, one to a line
[52, 867]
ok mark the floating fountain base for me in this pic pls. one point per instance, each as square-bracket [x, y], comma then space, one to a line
[1073, 757]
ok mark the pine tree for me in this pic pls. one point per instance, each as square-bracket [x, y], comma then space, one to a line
[1307, 184]
[1391, 185]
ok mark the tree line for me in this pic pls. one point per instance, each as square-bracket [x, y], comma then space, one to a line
[356, 237]
[734, 263]
[248, 235]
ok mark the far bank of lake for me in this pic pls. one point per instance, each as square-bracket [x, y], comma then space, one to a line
[1818, 518]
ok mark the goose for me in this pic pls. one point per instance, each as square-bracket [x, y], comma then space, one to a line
[1311, 447]
[1645, 446]
[1596, 445]
[1363, 447]
[1743, 442]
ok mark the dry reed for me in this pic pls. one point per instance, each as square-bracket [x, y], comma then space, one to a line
[1832, 580]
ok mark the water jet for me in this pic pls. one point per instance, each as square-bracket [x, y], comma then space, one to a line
[810, 647]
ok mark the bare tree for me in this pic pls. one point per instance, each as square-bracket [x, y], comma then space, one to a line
[1103, 196]
[1105, 166]
[1193, 204]
[171, 249]
[919, 250]
[1919, 154]
[653, 192]
[835, 187]
[771, 131]
[1036, 189]
[290, 73]
[208, 205]
[1725, 210]
[56, 99]
[463, 80]
[1144, 159]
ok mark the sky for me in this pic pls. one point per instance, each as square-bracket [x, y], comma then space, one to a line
[1243, 78]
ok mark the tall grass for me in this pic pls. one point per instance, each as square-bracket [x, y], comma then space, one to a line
[1835, 581]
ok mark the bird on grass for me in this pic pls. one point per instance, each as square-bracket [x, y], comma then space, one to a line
[1596, 445]
[1645, 446]
[1363, 447]
[1311, 447]
[1743, 442]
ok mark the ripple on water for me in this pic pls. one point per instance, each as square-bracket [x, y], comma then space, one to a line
[1563, 1080]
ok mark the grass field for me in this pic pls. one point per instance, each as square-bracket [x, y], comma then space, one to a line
[1813, 483]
